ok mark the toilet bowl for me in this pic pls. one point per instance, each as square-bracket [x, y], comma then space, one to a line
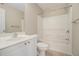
[42, 48]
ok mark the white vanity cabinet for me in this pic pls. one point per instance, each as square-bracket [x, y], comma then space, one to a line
[26, 48]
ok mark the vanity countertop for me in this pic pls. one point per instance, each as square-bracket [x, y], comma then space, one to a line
[12, 41]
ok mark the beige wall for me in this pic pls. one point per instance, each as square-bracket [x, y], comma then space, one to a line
[75, 11]
[12, 17]
[75, 29]
[31, 12]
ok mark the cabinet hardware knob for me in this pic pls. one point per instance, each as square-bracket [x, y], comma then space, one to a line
[25, 43]
[28, 42]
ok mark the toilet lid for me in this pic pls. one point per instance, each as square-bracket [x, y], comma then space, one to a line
[42, 45]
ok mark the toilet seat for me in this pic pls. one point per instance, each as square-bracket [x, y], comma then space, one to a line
[42, 45]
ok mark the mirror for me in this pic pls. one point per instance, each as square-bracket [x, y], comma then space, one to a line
[11, 18]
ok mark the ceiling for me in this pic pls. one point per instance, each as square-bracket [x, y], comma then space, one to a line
[43, 6]
[51, 6]
[19, 6]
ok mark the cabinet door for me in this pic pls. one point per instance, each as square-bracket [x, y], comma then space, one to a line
[15, 50]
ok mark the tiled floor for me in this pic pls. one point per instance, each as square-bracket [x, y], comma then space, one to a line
[54, 53]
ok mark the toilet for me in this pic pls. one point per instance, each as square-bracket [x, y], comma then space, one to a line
[42, 47]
